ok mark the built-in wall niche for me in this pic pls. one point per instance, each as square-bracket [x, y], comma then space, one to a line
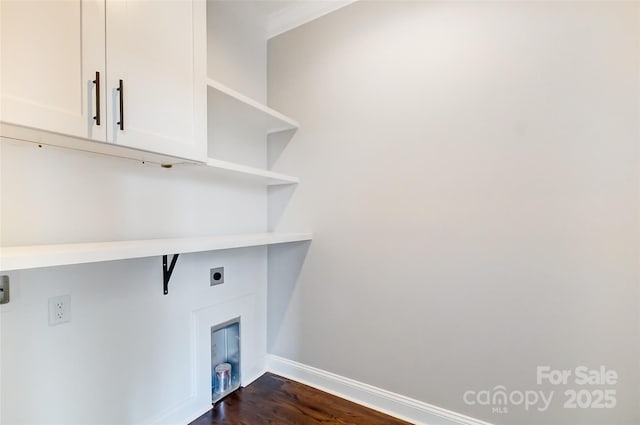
[225, 359]
[253, 342]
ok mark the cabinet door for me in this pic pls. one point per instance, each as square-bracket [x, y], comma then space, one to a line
[51, 51]
[156, 49]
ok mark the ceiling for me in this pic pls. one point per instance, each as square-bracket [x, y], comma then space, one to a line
[280, 16]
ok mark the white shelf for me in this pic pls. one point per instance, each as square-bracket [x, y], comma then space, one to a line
[35, 256]
[35, 136]
[24, 135]
[254, 174]
[241, 108]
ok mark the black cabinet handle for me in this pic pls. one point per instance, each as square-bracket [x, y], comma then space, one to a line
[97, 83]
[121, 90]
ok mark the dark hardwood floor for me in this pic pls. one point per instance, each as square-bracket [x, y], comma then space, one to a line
[274, 400]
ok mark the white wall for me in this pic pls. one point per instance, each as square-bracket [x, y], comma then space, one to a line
[237, 51]
[470, 172]
[237, 31]
[128, 355]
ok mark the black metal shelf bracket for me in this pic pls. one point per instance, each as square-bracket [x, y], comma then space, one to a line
[166, 272]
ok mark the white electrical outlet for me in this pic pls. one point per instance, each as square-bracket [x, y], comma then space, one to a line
[59, 310]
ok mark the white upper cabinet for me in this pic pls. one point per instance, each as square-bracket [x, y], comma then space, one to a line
[50, 53]
[156, 53]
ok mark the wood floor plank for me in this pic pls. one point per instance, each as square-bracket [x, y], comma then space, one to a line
[274, 400]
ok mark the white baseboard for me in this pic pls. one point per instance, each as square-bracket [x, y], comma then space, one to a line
[393, 404]
[375, 398]
[248, 381]
[183, 413]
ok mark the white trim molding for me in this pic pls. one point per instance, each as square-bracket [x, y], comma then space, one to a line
[300, 12]
[375, 398]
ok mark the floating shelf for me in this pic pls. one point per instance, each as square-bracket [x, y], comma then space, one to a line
[251, 173]
[18, 133]
[35, 256]
[239, 108]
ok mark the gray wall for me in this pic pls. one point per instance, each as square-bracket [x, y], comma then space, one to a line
[470, 172]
